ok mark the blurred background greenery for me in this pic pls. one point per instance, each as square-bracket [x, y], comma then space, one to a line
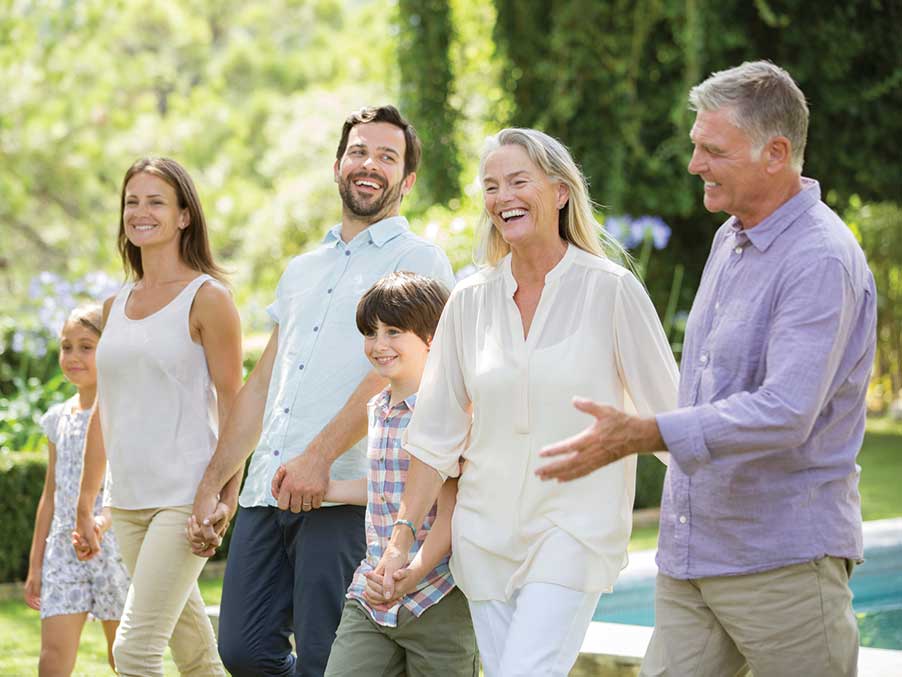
[250, 96]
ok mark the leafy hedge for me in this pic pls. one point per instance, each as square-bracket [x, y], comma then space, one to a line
[21, 482]
[22, 479]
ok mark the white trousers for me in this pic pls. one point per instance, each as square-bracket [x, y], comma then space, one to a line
[538, 632]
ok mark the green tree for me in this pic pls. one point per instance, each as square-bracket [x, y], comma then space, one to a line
[611, 79]
[426, 87]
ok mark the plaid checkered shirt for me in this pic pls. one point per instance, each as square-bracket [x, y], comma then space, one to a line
[386, 477]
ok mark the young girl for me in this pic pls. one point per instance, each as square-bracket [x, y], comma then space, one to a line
[63, 589]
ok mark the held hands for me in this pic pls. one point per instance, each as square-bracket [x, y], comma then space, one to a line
[87, 535]
[300, 485]
[390, 580]
[208, 523]
[612, 436]
[405, 579]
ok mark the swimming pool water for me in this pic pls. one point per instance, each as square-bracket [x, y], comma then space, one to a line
[876, 586]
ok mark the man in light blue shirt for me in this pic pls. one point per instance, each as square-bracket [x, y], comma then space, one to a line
[291, 558]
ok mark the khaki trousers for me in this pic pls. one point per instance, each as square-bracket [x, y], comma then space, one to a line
[794, 621]
[164, 603]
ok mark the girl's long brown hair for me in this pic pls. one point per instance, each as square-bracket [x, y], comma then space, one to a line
[194, 245]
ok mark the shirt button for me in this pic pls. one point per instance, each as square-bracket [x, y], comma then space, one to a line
[738, 249]
[703, 359]
[347, 252]
[328, 291]
[301, 367]
[275, 452]
[285, 410]
[682, 519]
[316, 328]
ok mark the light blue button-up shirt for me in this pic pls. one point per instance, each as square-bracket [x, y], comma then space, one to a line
[320, 358]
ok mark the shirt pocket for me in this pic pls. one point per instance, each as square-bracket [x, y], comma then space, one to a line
[738, 348]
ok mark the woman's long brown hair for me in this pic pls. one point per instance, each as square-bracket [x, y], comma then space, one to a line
[194, 245]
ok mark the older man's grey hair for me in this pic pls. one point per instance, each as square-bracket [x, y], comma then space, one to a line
[764, 101]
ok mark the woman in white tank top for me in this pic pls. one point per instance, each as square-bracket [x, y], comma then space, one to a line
[169, 367]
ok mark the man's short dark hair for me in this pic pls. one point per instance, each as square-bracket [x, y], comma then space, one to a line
[407, 301]
[391, 115]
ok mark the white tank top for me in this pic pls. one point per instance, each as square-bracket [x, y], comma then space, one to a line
[157, 404]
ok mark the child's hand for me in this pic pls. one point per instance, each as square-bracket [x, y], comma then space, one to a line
[33, 590]
[276, 484]
[406, 581]
[84, 549]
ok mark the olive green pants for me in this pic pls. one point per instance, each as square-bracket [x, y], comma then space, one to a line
[438, 642]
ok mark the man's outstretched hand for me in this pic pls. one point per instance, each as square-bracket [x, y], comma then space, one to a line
[612, 436]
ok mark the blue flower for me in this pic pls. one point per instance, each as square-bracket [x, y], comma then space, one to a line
[18, 342]
[619, 228]
[660, 231]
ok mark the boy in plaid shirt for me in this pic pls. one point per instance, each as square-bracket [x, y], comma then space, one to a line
[425, 629]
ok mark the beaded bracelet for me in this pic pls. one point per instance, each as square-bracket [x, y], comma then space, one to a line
[408, 524]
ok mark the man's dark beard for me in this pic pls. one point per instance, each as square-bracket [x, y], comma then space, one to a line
[368, 208]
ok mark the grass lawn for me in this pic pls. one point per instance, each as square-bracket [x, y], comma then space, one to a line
[20, 628]
[20, 639]
[881, 470]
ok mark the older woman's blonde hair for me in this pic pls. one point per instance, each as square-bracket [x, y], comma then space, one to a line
[576, 219]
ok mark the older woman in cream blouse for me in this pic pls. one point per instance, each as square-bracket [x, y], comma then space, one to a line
[549, 317]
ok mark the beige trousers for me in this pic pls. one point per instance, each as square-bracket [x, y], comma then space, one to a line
[164, 603]
[793, 621]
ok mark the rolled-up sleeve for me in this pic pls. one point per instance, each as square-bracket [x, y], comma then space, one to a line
[438, 431]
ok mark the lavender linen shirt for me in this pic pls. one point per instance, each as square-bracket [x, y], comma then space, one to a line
[778, 352]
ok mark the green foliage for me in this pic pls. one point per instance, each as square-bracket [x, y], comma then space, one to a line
[611, 80]
[426, 83]
[649, 482]
[250, 104]
[879, 229]
[20, 412]
[21, 483]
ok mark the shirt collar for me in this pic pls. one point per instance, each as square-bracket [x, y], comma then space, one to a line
[510, 282]
[765, 233]
[378, 233]
[381, 401]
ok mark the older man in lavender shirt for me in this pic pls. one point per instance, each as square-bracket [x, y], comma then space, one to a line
[760, 518]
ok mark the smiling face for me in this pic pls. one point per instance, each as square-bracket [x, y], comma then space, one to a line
[151, 214]
[398, 355]
[370, 174]
[735, 176]
[522, 202]
[78, 345]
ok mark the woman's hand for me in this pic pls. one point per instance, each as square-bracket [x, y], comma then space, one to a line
[33, 589]
[86, 537]
[103, 522]
[206, 535]
[406, 581]
[381, 582]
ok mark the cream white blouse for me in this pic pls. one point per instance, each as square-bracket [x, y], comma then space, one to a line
[595, 334]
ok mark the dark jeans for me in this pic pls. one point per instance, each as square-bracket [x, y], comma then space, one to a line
[287, 573]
